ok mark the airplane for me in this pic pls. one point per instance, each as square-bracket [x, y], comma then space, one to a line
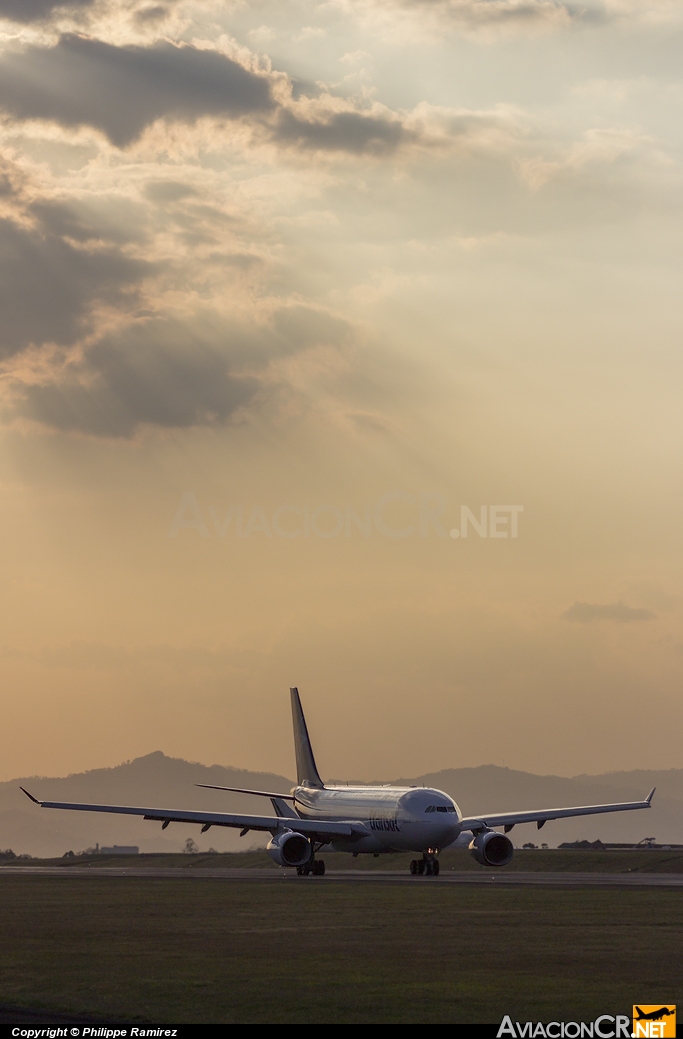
[358, 819]
[654, 1015]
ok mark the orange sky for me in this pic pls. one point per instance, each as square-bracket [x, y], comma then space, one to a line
[317, 261]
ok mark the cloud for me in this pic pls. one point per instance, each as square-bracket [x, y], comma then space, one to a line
[482, 15]
[599, 148]
[155, 374]
[301, 327]
[148, 15]
[584, 612]
[168, 190]
[26, 11]
[341, 131]
[82, 81]
[489, 12]
[50, 284]
[165, 373]
[478, 16]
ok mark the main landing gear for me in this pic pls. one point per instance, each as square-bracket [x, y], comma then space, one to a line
[314, 866]
[428, 865]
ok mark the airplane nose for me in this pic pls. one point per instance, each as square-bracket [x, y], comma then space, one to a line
[428, 805]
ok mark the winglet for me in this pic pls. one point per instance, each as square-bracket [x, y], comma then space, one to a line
[34, 799]
[650, 795]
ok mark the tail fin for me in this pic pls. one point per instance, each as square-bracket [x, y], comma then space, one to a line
[306, 771]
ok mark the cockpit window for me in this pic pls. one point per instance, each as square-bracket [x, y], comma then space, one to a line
[439, 808]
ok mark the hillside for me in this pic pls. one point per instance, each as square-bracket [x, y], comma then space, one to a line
[152, 781]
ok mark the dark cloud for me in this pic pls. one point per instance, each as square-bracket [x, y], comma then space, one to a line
[151, 14]
[33, 10]
[168, 190]
[121, 90]
[165, 374]
[156, 374]
[66, 221]
[584, 612]
[48, 284]
[341, 131]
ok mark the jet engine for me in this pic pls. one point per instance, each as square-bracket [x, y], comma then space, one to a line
[491, 848]
[289, 849]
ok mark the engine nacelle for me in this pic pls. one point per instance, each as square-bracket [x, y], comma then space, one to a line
[492, 849]
[289, 849]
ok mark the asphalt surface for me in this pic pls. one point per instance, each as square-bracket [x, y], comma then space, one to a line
[268, 876]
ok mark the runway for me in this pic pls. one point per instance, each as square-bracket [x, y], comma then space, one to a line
[268, 876]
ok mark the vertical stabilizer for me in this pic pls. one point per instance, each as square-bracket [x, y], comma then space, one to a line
[306, 771]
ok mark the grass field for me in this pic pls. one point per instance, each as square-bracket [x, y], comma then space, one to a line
[191, 951]
[552, 860]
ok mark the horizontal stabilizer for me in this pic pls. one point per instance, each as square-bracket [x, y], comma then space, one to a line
[241, 790]
[284, 810]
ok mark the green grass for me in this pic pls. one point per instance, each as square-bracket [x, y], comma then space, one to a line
[546, 861]
[180, 950]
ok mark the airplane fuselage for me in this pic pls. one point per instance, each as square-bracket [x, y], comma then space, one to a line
[396, 818]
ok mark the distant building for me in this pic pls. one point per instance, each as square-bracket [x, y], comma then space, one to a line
[121, 849]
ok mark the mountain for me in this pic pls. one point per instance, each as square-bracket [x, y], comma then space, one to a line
[158, 781]
[153, 781]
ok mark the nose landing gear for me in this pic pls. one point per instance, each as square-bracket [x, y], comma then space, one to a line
[428, 865]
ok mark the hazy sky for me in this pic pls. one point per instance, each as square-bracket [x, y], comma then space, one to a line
[292, 294]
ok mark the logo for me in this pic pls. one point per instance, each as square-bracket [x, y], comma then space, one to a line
[654, 1021]
[383, 822]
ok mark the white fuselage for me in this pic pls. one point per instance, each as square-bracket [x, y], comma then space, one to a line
[396, 818]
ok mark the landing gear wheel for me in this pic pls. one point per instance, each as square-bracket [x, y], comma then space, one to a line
[421, 866]
[302, 871]
[414, 867]
[318, 868]
[435, 868]
[429, 868]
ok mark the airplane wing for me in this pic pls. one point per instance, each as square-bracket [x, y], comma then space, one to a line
[510, 819]
[310, 828]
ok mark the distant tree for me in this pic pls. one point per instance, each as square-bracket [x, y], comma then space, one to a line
[212, 851]
[529, 845]
[544, 845]
[190, 847]
[68, 855]
[7, 854]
